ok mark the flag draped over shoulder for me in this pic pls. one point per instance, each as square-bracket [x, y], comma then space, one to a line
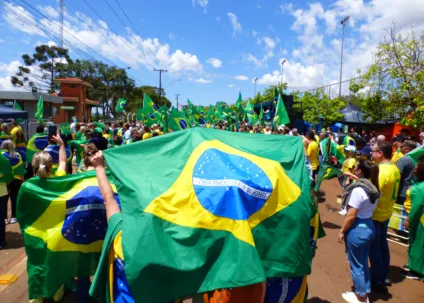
[18, 167]
[38, 142]
[40, 110]
[63, 231]
[325, 172]
[6, 173]
[416, 229]
[218, 210]
[416, 153]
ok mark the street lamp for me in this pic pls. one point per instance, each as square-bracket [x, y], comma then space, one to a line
[343, 23]
[282, 66]
[256, 79]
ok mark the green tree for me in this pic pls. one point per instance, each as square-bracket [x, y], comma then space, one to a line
[394, 83]
[41, 68]
[319, 107]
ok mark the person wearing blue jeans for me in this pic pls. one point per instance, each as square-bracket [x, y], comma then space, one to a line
[358, 230]
[380, 254]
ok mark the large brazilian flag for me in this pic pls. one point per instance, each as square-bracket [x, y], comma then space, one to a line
[211, 209]
[63, 221]
[38, 142]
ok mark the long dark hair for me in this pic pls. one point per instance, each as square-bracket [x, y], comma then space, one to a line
[370, 171]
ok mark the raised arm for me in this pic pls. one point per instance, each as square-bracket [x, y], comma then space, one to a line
[62, 152]
[112, 206]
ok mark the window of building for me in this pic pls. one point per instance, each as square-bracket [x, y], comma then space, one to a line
[72, 86]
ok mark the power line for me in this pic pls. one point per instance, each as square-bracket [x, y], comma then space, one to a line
[123, 24]
[132, 24]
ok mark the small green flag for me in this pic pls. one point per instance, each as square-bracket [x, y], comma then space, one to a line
[325, 148]
[201, 111]
[325, 172]
[416, 229]
[18, 107]
[337, 151]
[177, 121]
[239, 104]
[198, 119]
[40, 111]
[148, 103]
[149, 117]
[120, 105]
[101, 125]
[212, 117]
[281, 116]
[65, 129]
[261, 117]
[251, 115]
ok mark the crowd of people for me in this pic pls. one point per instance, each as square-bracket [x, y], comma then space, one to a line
[375, 175]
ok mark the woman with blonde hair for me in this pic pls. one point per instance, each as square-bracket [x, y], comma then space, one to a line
[4, 133]
[42, 162]
[8, 150]
[89, 151]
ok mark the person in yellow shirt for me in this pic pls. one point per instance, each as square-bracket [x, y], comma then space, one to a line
[398, 153]
[15, 128]
[348, 165]
[388, 179]
[312, 153]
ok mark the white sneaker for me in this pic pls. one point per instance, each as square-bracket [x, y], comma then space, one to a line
[6, 222]
[343, 212]
[13, 220]
[350, 297]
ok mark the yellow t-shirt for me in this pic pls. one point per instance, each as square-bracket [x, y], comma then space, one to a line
[313, 154]
[317, 139]
[388, 180]
[396, 156]
[60, 173]
[408, 204]
[349, 163]
[147, 136]
[14, 130]
[107, 136]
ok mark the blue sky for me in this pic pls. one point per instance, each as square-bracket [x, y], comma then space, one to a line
[215, 47]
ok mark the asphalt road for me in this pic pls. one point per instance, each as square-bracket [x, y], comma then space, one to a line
[330, 271]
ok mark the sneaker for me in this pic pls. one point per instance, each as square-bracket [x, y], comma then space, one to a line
[6, 222]
[13, 221]
[388, 282]
[343, 212]
[350, 297]
[406, 268]
[410, 275]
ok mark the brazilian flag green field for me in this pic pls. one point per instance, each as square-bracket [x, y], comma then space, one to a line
[63, 221]
[204, 209]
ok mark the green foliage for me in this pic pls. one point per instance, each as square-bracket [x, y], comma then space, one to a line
[394, 82]
[46, 63]
[269, 94]
[318, 106]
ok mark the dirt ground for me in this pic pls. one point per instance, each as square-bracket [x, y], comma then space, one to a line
[330, 271]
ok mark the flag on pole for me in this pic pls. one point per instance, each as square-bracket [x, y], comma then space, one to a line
[251, 115]
[120, 105]
[40, 110]
[18, 107]
[148, 103]
[325, 172]
[281, 115]
[198, 119]
[261, 117]
[239, 104]
[177, 121]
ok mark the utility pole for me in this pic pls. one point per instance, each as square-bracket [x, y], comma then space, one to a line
[176, 97]
[61, 22]
[160, 80]
[343, 23]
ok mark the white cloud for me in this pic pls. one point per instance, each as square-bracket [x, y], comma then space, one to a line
[254, 33]
[49, 11]
[241, 78]
[202, 81]
[20, 19]
[218, 19]
[202, 3]
[171, 36]
[269, 42]
[230, 86]
[10, 68]
[2, 41]
[128, 49]
[235, 23]
[214, 62]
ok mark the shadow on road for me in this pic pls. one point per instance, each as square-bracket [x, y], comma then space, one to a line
[317, 300]
[330, 225]
[14, 240]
